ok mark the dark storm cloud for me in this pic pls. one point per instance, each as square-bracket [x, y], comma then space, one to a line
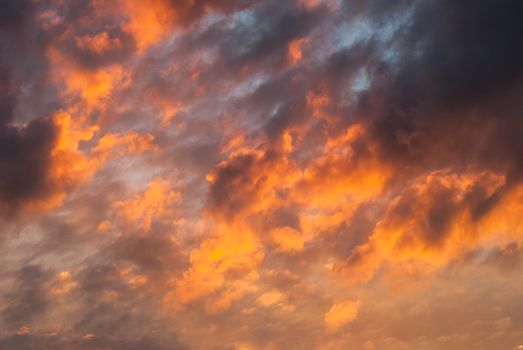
[24, 151]
[458, 71]
[13, 14]
[27, 134]
[22, 41]
[470, 49]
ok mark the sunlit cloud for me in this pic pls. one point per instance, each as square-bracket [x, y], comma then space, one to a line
[341, 314]
[303, 174]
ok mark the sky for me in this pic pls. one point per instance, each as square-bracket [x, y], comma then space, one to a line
[261, 174]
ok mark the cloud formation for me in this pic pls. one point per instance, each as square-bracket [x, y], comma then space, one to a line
[306, 174]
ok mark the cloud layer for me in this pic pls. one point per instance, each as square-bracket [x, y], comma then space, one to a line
[305, 174]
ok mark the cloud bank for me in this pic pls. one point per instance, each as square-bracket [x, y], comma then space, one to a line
[305, 174]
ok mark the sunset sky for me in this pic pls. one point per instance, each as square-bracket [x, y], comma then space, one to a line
[261, 174]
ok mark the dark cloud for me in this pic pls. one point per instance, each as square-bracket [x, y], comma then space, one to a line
[188, 11]
[28, 299]
[26, 137]
[24, 152]
[277, 26]
[469, 49]
[457, 67]
[14, 14]
[239, 183]
[150, 254]
[258, 41]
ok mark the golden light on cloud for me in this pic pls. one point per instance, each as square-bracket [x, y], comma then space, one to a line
[296, 50]
[152, 204]
[64, 284]
[98, 43]
[341, 314]
[148, 23]
[302, 174]
[288, 239]
[234, 252]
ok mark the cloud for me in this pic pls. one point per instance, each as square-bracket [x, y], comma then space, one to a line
[431, 225]
[341, 314]
[152, 205]
[149, 24]
[26, 151]
[288, 240]
[234, 251]
[28, 299]
[308, 174]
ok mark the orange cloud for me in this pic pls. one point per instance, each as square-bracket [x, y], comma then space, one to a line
[169, 110]
[314, 222]
[154, 203]
[432, 223]
[337, 177]
[249, 182]
[63, 284]
[288, 240]
[275, 298]
[234, 144]
[105, 226]
[254, 182]
[318, 104]
[71, 166]
[234, 290]
[152, 21]
[225, 263]
[341, 314]
[149, 21]
[312, 4]
[132, 143]
[295, 50]
[23, 330]
[305, 189]
[98, 43]
[70, 162]
[339, 172]
[132, 278]
[93, 86]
